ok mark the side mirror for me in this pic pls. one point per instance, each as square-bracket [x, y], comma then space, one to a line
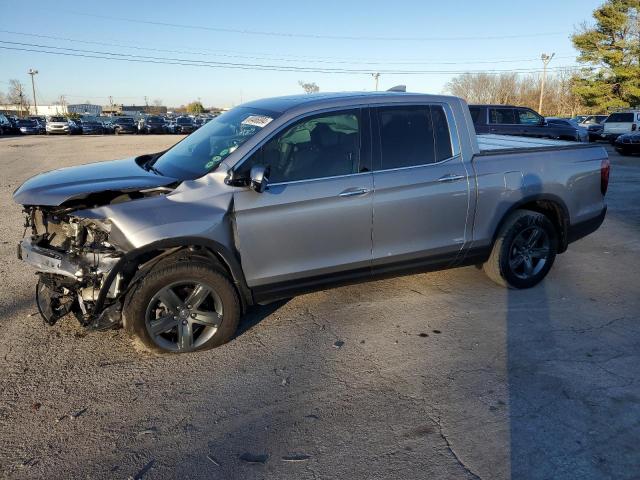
[259, 180]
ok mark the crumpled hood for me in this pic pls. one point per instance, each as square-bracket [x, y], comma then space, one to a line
[58, 186]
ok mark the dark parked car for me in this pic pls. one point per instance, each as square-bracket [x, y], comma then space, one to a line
[152, 124]
[521, 121]
[91, 127]
[124, 125]
[581, 134]
[29, 127]
[184, 125]
[5, 125]
[628, 144]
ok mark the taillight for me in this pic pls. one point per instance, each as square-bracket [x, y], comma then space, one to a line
[605, 169]
[634, 127]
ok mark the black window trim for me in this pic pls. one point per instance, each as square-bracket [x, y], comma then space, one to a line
[377, 141]
[365, 136]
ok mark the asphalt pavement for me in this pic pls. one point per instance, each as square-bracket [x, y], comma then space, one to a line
[439, 375]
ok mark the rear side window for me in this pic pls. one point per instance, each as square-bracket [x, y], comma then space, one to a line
[502, 116]
[620, 118]
[413, 135]
[441, 133]
[476, 115]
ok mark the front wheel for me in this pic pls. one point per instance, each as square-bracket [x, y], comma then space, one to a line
[524, 250]
[183, 307]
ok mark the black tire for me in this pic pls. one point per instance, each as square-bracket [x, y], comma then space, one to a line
[503, 267]
[623, 152]
[142, 304]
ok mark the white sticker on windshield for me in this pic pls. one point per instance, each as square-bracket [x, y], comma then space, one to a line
[257, 120]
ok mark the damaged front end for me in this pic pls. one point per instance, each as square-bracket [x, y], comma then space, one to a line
[73, 257]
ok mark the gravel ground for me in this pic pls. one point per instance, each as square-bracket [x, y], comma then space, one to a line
[441, 375]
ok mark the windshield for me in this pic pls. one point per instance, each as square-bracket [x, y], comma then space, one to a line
[184, 121]
[124, 120]
[204, 150]
[57, 119]
[26, 123]
[155, 120]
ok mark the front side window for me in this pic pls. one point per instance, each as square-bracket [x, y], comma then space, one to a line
[504, 116]
[527, 117]
[413, 135]
[320, 146]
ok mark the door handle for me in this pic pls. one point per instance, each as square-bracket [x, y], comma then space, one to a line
[451, 178]
[354, 192]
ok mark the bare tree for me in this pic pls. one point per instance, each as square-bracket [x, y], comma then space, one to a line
[17, 96]
[521, 90]
[311, 87]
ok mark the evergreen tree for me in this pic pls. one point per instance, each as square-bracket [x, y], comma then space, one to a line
[610, 51]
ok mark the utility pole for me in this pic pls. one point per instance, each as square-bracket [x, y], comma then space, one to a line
[376, 76]
[21, 96]
[545, 61]
[33, 73]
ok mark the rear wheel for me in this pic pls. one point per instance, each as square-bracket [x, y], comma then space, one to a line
[624, 152]
[524, 251]
[183, 308]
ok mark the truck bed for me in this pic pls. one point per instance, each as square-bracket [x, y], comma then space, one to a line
[491, 144]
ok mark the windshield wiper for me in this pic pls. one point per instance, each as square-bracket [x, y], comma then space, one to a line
[148, 165]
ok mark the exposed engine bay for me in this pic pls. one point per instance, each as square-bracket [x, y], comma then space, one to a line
[73, 256]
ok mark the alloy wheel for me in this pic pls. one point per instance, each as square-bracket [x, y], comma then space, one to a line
[529, 252]
[184, 315]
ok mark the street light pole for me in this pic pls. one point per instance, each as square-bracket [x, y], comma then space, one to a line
[376, 76]
[33, 72]
[545, 61]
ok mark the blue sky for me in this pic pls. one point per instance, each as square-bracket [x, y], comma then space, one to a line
[382, 35]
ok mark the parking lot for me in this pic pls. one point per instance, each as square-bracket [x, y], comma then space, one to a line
[439, 375]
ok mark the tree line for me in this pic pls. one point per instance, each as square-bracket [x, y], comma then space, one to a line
[608, 77]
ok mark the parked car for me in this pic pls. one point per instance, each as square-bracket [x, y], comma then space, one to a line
[91, 127]
[6, 127]
[107, 124]
[29, 127]
[284, 204]
[59, 125]
[183, 125]
[628, 143]
[573, 130]
[124, 125]
[592, 120]
[620, 123]
[152, 124]
[520, 121]
[13, 120]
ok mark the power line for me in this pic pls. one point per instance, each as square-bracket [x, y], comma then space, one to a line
[72, 52]
[284, 58]
[312, 35]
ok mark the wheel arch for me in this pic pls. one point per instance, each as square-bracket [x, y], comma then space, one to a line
[137, 262]
[552, 206]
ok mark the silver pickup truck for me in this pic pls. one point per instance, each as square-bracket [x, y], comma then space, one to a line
[287, 195]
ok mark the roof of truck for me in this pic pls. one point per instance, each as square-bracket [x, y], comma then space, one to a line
[282, 104]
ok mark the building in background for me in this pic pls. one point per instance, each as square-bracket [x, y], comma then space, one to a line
[43, 110]
[84, 109]
[133, 110]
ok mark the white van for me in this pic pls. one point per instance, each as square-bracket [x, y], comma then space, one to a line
[620, 123]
